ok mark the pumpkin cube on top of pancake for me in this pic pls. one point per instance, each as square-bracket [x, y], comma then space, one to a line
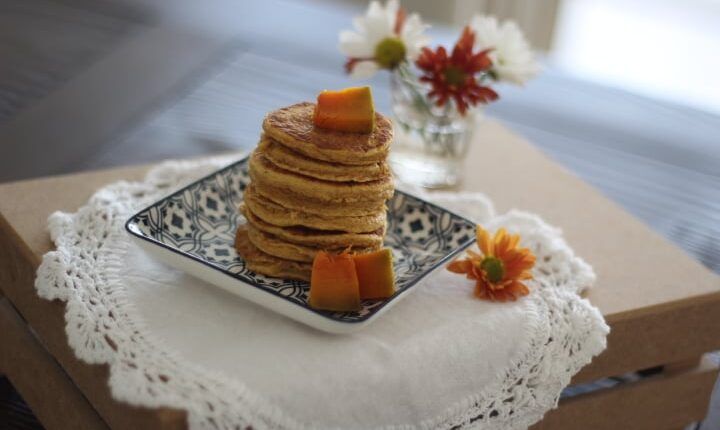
[350, 110]
[294, 128]
[316, 188]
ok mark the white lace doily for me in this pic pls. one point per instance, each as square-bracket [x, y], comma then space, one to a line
[439, 359]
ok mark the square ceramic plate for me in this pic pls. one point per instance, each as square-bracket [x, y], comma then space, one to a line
[194, 229]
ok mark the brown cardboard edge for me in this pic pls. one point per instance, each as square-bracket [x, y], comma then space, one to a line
[17, 275]
[660, 402]
[27, 363]
[657, 336]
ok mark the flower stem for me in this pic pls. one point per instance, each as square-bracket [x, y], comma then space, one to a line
[411, 82]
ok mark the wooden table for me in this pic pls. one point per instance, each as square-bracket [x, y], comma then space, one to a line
[663, 307]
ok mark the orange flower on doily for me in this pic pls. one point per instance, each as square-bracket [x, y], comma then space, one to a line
[500, 269]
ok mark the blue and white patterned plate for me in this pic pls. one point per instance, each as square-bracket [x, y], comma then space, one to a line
[194, 230]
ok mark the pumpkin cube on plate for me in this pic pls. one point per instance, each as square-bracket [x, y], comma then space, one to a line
[334, 283]
[375, 274]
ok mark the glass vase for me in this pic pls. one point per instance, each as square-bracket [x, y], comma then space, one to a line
[431, 142]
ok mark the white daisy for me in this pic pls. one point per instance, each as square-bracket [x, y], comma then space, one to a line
[513, 60]
[382, 39]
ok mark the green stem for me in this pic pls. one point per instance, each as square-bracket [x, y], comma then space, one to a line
[411, 82]
[435, 142]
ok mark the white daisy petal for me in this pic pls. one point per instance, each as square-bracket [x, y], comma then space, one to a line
[513, 60]
[413, 37]
[391, 8]
[486, 31]
[375, 11]
[376, 25]
[374, 7]
[359, 24]
[355, 45]
[364, 69]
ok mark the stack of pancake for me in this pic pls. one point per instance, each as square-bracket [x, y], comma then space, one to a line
[313, 189]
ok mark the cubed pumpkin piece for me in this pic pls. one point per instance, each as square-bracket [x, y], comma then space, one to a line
[375, 274]
[349, 110]
[334, 283]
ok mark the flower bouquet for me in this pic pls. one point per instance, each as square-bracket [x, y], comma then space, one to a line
[435, 92]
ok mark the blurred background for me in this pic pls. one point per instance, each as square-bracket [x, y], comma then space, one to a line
[629, 98]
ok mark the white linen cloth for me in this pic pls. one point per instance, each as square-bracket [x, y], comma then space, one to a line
[439, 359]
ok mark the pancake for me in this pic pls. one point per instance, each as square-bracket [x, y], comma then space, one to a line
[313, 207]
[266, 264]
[275, 246]
[282, 216]
[293, 161]
[293, 127]
[315, 238]
[262, 171]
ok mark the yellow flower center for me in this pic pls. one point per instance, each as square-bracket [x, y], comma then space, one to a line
[454, 76]
[390, 52]
[494, 269]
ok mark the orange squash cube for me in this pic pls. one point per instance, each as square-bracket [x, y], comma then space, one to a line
[334, 283]
[375, 274]
[350, 110]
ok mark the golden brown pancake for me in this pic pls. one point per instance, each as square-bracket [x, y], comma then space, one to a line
[313, 207]
[315, 238]
[282, 216]
[313, 189]
[275, 246]
[266, 264]
[262, 171]
[293, 161]
[293, 127]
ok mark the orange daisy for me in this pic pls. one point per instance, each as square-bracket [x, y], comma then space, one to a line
[501, 267]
